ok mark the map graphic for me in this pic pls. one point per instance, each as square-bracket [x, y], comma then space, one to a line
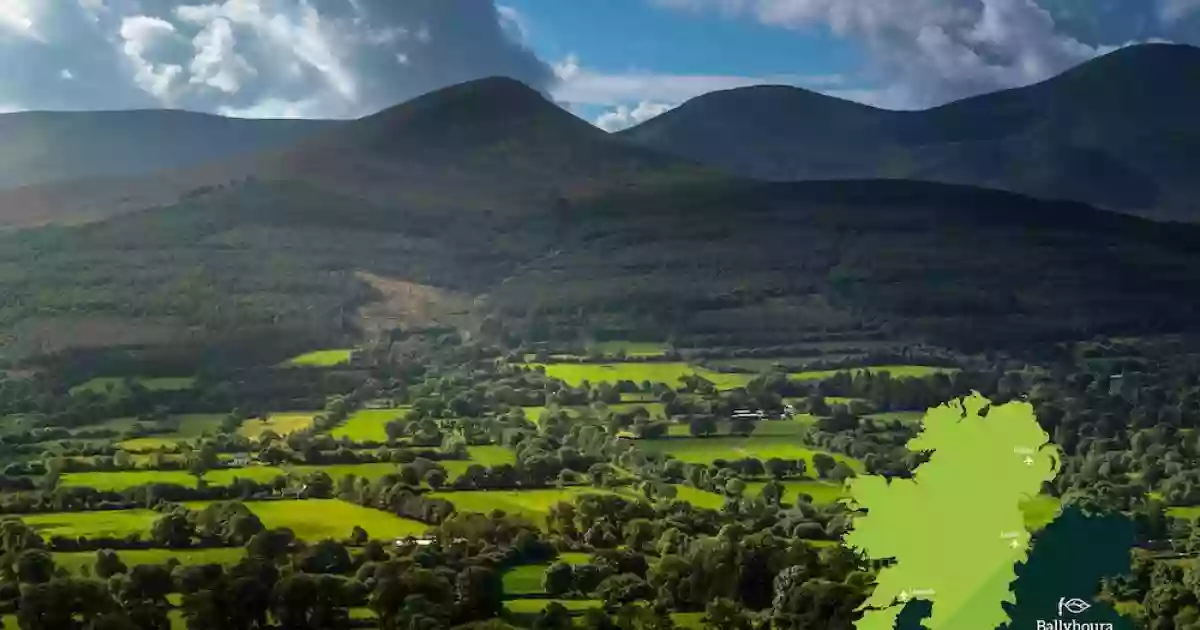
[954, 533]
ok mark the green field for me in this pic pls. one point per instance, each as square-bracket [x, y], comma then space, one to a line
[129, 478]
[368, 424]
[708, 450]
[120, 480]
[1190, 513]
[667, 372]
[821, 491]
[896, 371]
[281, 423]
[530, 606]
[113, 523]
[102, 384]
[530, 504]
[191, 426]
[318, 519]
[321, 358]
[656, 410]
[699, 498]
[74, 561]
[763, 428]
[631, 348]
[526, 579]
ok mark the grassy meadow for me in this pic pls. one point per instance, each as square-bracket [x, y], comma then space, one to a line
[659, 372]
[75, 561]
[710, 449]
[820, 491]
[526, 579]
[191, 426]
[280, 423]
[321, 358]
[318, 519]
[631, 348]
[763, 428]
[115, 385]
[533, 606]
[368, 424]
[532, 505]
[896, 371]
[112, 523]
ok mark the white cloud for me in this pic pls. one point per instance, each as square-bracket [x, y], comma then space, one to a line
[276, 108]
[578, 85]
[300, 37]
[10, 108]
[623, 117]
[66, 74]
[928, 51]
[217, 63]
[17, 17]
[513, 22]
[141, 34]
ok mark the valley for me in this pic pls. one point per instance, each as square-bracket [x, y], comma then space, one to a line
[472, 362]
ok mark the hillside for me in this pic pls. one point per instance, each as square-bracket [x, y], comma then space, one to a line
[492, 145]
[45, 147]
[717, 264]
[1117, 132]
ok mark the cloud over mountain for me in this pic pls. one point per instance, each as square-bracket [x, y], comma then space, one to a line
[329, 58]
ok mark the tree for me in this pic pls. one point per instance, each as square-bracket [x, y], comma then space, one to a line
[327, 556]
[623, 589]
[778, 468]
[359, 536]
[436, 478]
[480, 593]
[702, 425]
[558, 579]
[555, 616]
[35, 566]
[841, 472]
[741, 426]
[823, 463]
[108, 564]
[173, 530]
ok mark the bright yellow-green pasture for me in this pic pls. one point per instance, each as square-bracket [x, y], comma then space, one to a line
[531, 606]
[763, 428]
[896, 371]
[368, 424]
[191, 426]
[532, 505]
[74, 561]
[631, 348]
[708, 450]
[280, 423]
[655, 372]
[321, 358]
[112, 523]
[318, 519]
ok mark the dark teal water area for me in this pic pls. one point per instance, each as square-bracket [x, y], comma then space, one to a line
[1068, 559]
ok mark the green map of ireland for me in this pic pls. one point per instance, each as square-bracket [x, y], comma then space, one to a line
[954, 532]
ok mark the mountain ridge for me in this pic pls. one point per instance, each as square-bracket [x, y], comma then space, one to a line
[1115, 132]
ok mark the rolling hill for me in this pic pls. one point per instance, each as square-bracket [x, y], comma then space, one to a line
[1118, 132]
[46, 147]
[486, 146]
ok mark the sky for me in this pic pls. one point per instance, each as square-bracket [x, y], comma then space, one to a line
[613, 62]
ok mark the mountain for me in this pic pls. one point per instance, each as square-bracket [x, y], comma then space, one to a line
[487, 146]
[1118, 132]
[45, 147]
